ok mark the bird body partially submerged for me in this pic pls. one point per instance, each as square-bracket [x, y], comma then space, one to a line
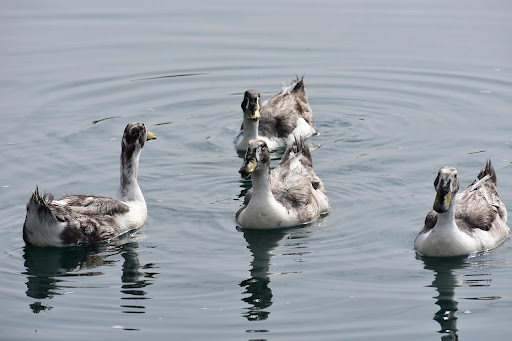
[87, 219]
[279, 120]
[289, 195]
[460, 224]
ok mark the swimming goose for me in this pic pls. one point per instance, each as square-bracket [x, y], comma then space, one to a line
[86, 219]
[291, 194]
[278, 120]
[460, 224]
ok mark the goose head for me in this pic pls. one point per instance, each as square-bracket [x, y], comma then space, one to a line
[251, 105]
[446, 185]
[135, 136]
[256, 157]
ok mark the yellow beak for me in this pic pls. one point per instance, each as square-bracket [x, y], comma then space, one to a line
[248, 167]
[442, 201]
[151, 136]
[253, 114]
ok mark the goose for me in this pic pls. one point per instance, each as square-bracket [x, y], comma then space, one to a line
[289, 195]
[87, 219]
[278, 120]
[463, 223]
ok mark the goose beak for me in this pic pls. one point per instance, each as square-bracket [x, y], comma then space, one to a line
[443, 199]
[151, 136]
[253, 112]
[248, 167]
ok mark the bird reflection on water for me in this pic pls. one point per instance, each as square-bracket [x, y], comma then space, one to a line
[49, 271]
[47, 268]
[450, 274]
[135, 278]
[262, 245]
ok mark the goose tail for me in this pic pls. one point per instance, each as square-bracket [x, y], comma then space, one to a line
[297, 85]
[297, 147]
[39, 214]
[488, 171]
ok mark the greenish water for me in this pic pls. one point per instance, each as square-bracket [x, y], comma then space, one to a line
[397, 89]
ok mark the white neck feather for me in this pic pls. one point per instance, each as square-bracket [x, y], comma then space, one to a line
[263, 211]
[446, 220]
[261, 186]
[250, 129]
[129, 189]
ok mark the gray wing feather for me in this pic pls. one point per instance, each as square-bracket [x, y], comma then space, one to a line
[95, 205]
[247, 198]
[430, 221]
[299, 188]
[478, 207]
[81, 228]
[280, 112]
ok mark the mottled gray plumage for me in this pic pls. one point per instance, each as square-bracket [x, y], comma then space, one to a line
[280, 112]
[83, 227]
[93, 205]
[295, 191]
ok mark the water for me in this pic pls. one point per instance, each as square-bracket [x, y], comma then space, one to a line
[398, 89]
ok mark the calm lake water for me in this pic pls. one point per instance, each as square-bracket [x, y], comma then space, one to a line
[398, 89]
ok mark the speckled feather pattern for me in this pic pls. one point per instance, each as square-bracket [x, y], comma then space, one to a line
[94, 205]
[82, 228]
[280, 112]
[296, 186]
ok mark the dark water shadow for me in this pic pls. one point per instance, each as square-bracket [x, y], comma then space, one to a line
[105, 119]
[135, 278]
[262, 245]
[446, 279]
[49, 270]
[170, 76]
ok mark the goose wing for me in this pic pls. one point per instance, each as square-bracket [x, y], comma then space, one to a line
[299, 155]
[77, 228]
[479, 204]
[92, 205]
[247, 198]
[430, 221]
[292, 189]
[280, 112]
[295, 184]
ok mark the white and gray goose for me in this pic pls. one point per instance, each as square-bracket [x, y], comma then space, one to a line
[87, 219]
[291, 194]
[279, 120]
[463, 223]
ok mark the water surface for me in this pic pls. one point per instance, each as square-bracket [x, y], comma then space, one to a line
[397, 88]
